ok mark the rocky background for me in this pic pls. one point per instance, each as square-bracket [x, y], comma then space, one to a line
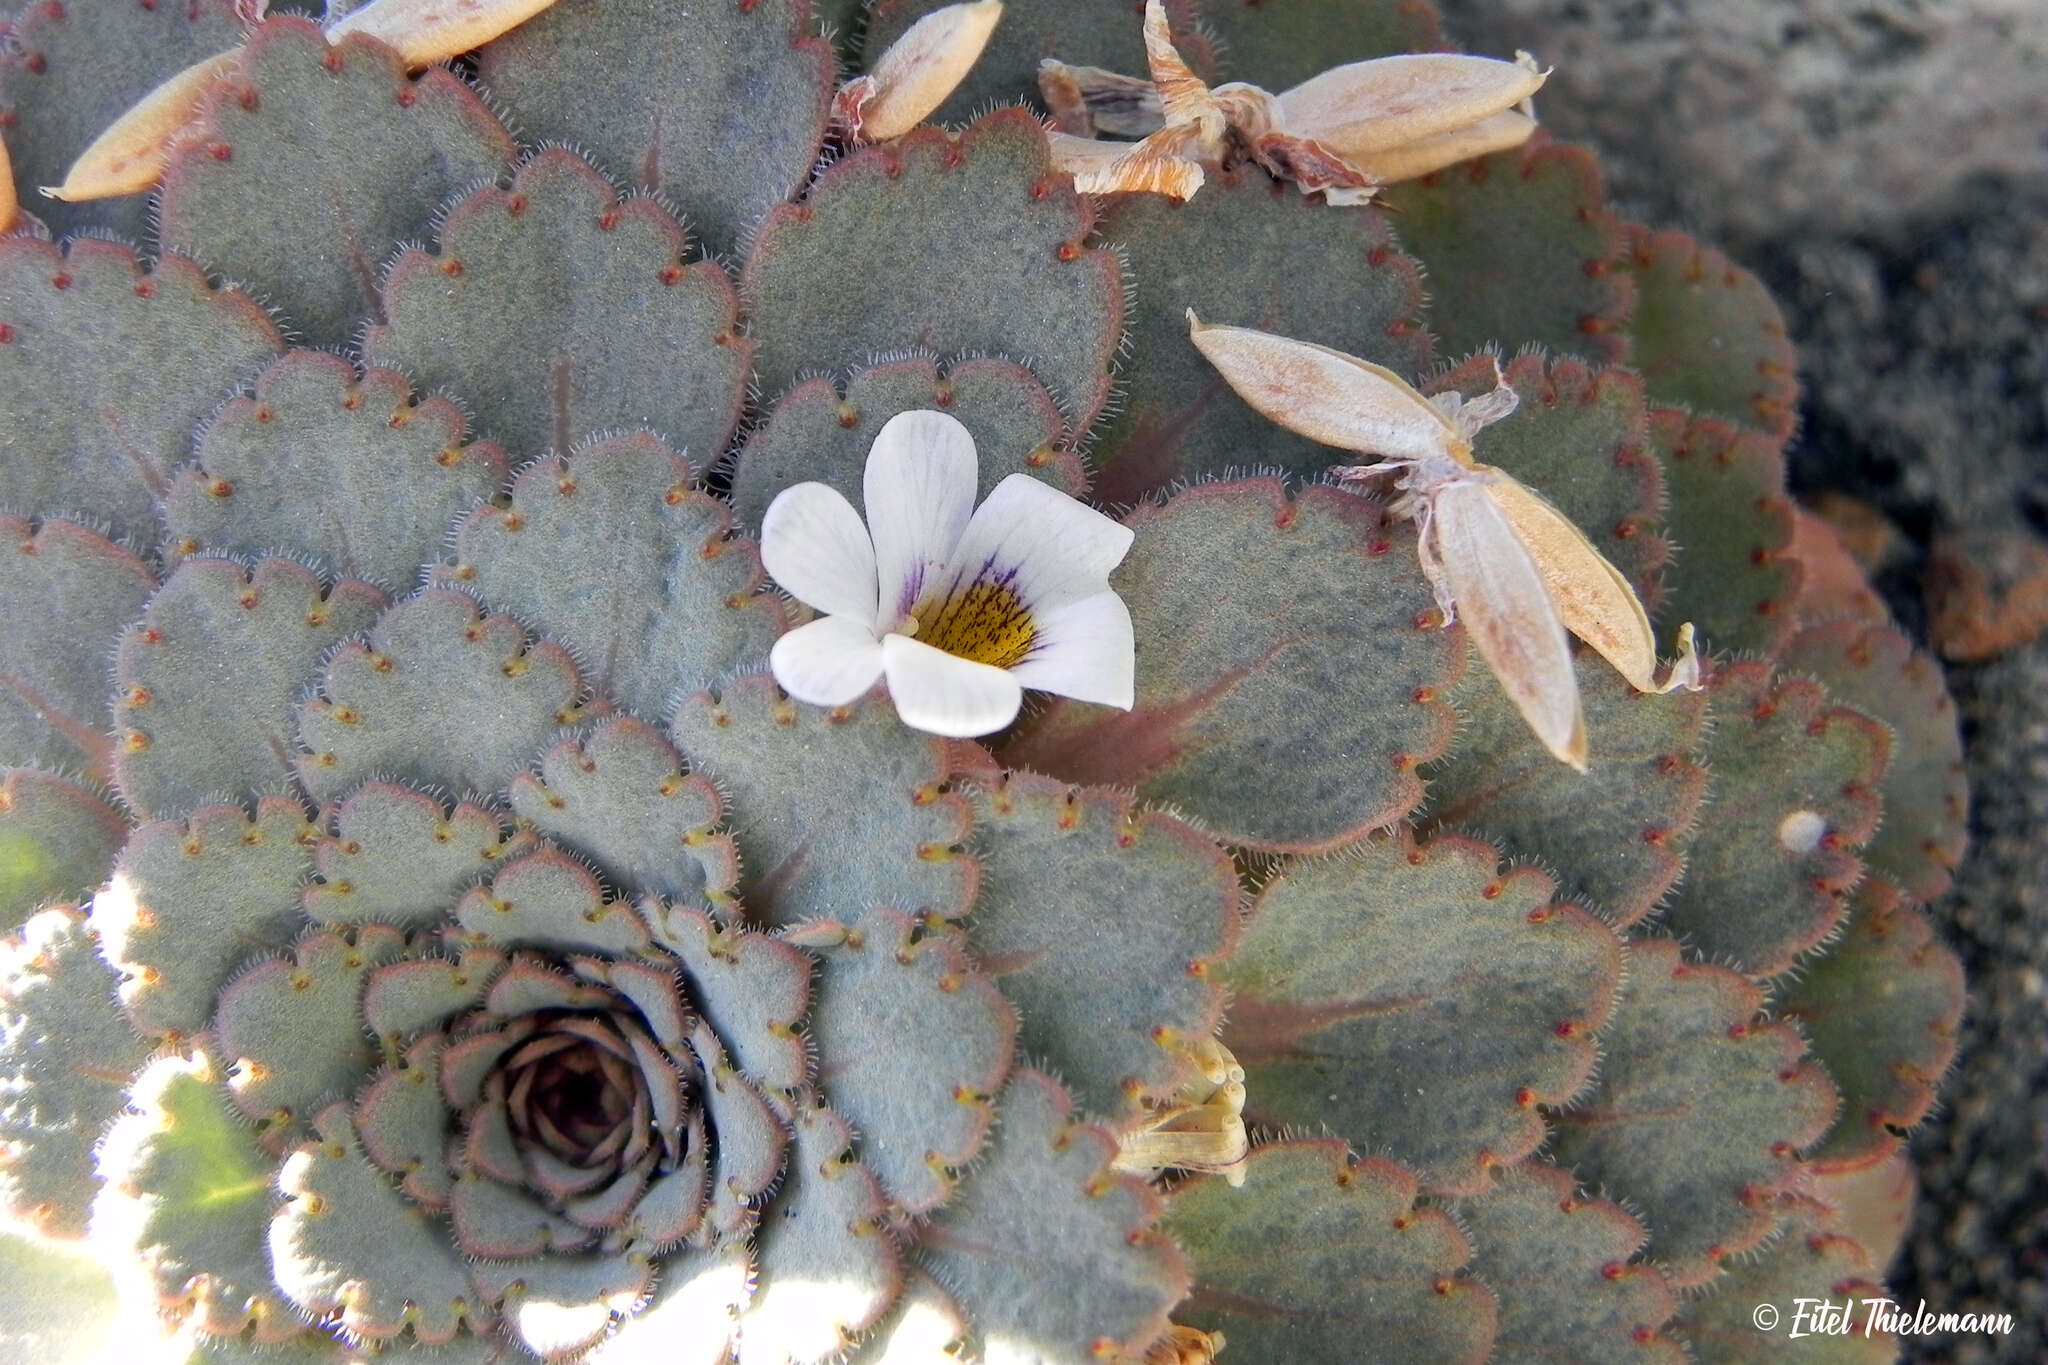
[1884, 167]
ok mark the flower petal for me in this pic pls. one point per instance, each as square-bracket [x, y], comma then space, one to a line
[920, 484]
[1084, 650]
[1035, 539]
[943, 694]
[814, 545]
[829, 662]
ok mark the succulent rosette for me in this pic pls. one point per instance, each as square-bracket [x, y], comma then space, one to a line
[1093, 917]
[542, 1069]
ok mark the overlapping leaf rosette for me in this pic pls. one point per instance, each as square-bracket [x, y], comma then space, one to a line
[441, 938]
[433, 1068]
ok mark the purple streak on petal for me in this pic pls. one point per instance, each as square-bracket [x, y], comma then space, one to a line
[913, 588]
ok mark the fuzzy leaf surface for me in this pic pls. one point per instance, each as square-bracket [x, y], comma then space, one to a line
[72, 69]
[1278, 46]
[1881, 1010]
[920, 1329]
[549, 901]
[1317, 1254]
[1578, 438]
[1707, 335]
[1794, 798]
[57, 839]
[911, 1041]
[1516, 250]
[1269, 716]
[1420, 1001]
[721, 108]
[54, 711]
[188, 1194]
[1046, 1251]
[316, 163]
[402, 703]
[215, 631]
[617, 554]
[357, 470]
[395, 855]
[65, 1055]
[622, 798]
[1812, 1261]
[753, 990]
[1617, 832]
[810, 851]
[1700, 1111]
[689, 1318]
[1084, 895]
[561, 310]
[1731, 524]
[1561, 1268]
[1249, 252]
[291, 1028]
[346, 1242]
[825, 1271]
[893, 248]
[191, 899]
[560, 1306]
[95, 419]
[1875, 669]
[1873, 1204]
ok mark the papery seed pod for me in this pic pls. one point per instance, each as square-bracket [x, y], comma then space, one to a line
[429, 31]
[918, 72]
[1367, 109]
[1515, 567]
[129, 157]
[1343, 133]
[10, 207]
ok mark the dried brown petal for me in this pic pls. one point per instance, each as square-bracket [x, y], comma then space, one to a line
[1126, 167]
[1200, 1127]
[1088, 101]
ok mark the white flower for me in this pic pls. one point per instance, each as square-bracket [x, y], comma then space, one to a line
[960, 608]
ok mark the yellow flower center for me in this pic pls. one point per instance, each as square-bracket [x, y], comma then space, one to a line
[987, 623]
